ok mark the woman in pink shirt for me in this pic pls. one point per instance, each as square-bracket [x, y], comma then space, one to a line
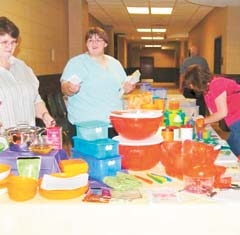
[222, 96]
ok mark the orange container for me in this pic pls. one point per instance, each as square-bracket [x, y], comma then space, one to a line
[168, 134]
[159, 103]
[135, 101]
[139, 155]
[149, 106]
[173, 104]
[136, 124]
[21, 188]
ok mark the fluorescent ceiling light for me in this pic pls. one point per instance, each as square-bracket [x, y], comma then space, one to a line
[154, 10]
[159, 30]
[161, 10]
[152, 46]
[157, 38]
[152, 38]
[138, 10]
[146, 38]
[148, 30]
[144, 30]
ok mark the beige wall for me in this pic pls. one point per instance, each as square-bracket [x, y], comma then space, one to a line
[203, 35]
[78, 26]
[220, 22]
[43, 28]
[122, 51]
[231, 58]
[48, 40]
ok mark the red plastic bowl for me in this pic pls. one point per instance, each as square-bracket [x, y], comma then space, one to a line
[136, 124]
[139, 155]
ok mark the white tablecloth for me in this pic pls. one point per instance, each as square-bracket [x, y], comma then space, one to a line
[41, 216]
[185, 214]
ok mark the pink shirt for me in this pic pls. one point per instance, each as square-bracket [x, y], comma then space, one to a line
[217, 86]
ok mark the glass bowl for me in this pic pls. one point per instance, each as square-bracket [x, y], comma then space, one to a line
[41, 149]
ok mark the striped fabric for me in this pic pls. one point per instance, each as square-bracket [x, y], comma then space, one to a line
[18, 94]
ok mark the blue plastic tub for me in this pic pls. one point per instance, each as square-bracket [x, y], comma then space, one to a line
[100, 148]
[99, 168]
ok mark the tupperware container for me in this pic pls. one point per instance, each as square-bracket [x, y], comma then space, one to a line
[199, 185]
[182, 157]
[145, 86]
[21, 188]
[92, 130]
[100, 148]
[136, 124]
[141, 154]
[99, 168]
[190, 111]
[159, 92]
[137, 100]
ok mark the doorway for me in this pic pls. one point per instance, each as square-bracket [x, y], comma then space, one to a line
[217, 55]
[146, 66]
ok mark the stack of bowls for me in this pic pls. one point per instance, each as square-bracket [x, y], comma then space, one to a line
[139, 146]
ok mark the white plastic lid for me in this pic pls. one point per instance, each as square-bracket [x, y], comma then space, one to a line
[155, 139]
[137, 113]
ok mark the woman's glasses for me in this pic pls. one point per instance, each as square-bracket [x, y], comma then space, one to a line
[97, 41]
[8, 43]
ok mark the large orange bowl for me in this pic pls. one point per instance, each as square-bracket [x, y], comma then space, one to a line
[136, 124]
[139, 155]
[181, 157]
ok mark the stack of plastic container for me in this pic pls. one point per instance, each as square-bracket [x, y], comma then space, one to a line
[100, 152]
[139, 144]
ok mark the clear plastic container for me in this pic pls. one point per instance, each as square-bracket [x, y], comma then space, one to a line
[92, 130]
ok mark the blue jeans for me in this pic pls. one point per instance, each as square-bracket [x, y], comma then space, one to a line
[234, 138]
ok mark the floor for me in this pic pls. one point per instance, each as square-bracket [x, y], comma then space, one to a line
[172, 89]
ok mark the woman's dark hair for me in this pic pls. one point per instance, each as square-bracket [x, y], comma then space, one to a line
[8, 27]
[197, 78]
[97, 31]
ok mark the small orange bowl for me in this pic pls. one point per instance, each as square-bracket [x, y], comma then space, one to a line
[22, 188]
[41, 149]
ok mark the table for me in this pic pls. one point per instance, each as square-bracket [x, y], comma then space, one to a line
[194, 214]
[41, 216]
[49, 162]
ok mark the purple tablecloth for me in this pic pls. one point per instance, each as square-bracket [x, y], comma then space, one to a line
[49, 162]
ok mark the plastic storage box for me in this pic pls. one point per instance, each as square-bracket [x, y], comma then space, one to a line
[92, 130]
[100, 148]
[99, 168]
[159, 92]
